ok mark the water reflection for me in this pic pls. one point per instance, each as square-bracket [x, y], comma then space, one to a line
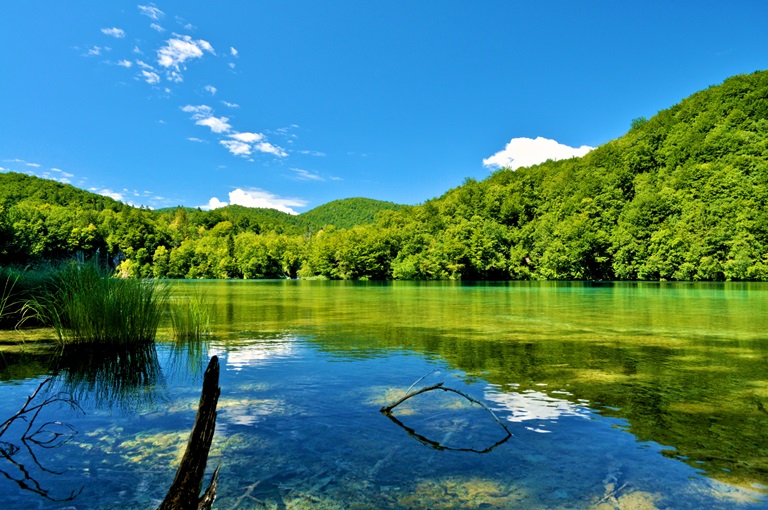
[127, 378]
[254, 349]
[443, 447]
[611, 377]
[684, 364]
[534, 405]
[25, 437]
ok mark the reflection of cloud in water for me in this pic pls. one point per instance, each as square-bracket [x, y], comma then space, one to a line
[248, 411]
[254, 352]
[534, 405]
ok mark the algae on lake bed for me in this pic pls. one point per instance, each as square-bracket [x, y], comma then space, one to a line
[666, 409]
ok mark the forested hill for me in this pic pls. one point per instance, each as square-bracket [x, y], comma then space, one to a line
[681, 196]
[345, 213]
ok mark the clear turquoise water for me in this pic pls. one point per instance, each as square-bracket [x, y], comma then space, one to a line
[617, 395]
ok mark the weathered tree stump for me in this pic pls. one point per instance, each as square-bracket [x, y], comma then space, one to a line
[184, 493]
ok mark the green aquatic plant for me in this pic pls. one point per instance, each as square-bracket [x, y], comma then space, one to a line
[87, 304]
[191, 317]
[6, 293]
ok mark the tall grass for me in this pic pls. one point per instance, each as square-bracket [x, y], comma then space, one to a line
[86, 304]
[17, 287]
[8, 281]
[191, 317]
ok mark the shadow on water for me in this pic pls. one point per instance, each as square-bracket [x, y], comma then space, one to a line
[127, 378]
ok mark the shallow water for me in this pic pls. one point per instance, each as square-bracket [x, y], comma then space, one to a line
[617, 396]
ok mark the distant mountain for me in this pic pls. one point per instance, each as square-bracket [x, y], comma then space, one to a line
[681, 196]
[345, 213]
[16, 187]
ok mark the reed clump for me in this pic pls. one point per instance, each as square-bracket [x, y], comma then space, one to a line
[7, 284]
[87, 304]
[191, 317]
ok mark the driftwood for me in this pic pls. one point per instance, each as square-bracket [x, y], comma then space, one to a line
[185, 490]
[387, 411]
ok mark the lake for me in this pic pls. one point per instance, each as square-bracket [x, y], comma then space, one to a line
[617, 395]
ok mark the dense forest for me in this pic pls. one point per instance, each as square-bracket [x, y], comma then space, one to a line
[681, 196]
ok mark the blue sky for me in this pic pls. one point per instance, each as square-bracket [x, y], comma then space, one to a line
[292, 104]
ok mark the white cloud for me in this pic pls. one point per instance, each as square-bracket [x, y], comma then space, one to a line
[211, 89]
[199, 111]
[181, 21]
[231, 105]
[217, 124]
[313, 153]
[205, 45]
[62, 172]
[108, 193]
[521, 152]
[286, 131]
[144, 65]
[21, 161]
[240, 143]
[151, 11]
[118, 33]
[233, 51]
[156, 27]
[95, 51]
[231, 65]
[213, 203]
[193, 139]
[137, 50]
[260, 198]
[178, 50]
[236, 147]
[247, 137]
[150, 77]
[271, 149]
[257, 198]
[125, 63]
[305, 175]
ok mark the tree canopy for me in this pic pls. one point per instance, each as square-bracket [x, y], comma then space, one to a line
[681, 196]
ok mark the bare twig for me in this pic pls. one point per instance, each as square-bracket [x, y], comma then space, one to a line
[249, 495]
[387, 410]
[612, 494]
[439, 386]
[420, 379]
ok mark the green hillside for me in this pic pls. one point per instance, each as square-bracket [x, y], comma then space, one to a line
[17, 187]
[345, 213]
[681, 196]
